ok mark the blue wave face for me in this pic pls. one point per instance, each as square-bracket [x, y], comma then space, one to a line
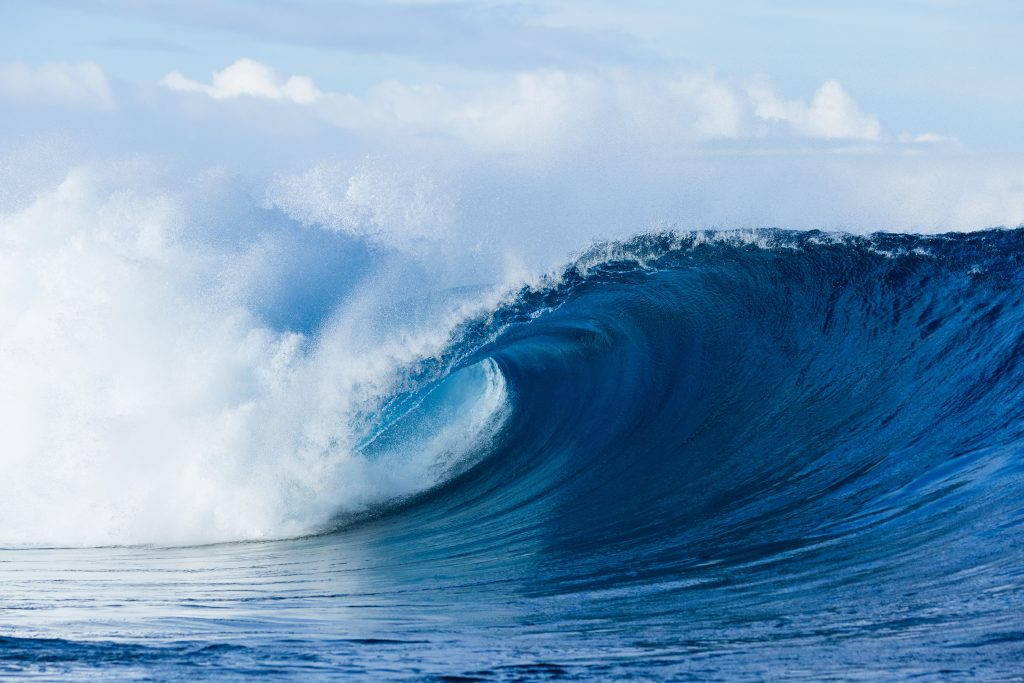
[710, 455]
[838, 402]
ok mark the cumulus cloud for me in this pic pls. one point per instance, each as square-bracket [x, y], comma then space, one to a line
[549, 110]
[831, 114]
[82, 85]
[248, 77]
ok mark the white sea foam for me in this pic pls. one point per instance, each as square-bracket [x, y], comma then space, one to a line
[145, 399]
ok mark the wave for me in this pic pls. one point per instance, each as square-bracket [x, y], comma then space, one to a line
[730, 393]
[702, 454]
[738, 398]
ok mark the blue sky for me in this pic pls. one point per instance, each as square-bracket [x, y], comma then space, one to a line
[947, 65]
[904, 114]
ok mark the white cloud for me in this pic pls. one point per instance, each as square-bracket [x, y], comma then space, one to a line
[83, 85]
[831, 114]
[548, 111]
[248, 77]
[554, 110]
[551, 110]
[537, 111]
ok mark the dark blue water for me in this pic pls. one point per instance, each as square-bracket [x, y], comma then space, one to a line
[726, 457]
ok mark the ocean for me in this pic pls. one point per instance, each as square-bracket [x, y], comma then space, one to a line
[682, 456]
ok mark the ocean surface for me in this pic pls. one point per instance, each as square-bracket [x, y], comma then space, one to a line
[686, 456]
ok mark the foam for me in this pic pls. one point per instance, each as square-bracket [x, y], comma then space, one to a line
[145, 400]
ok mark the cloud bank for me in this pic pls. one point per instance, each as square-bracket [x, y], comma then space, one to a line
[552, 109]
[831, 114]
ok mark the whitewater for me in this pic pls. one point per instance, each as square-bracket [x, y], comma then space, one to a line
[240, 436]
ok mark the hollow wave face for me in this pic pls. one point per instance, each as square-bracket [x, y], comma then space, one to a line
[686, 405]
